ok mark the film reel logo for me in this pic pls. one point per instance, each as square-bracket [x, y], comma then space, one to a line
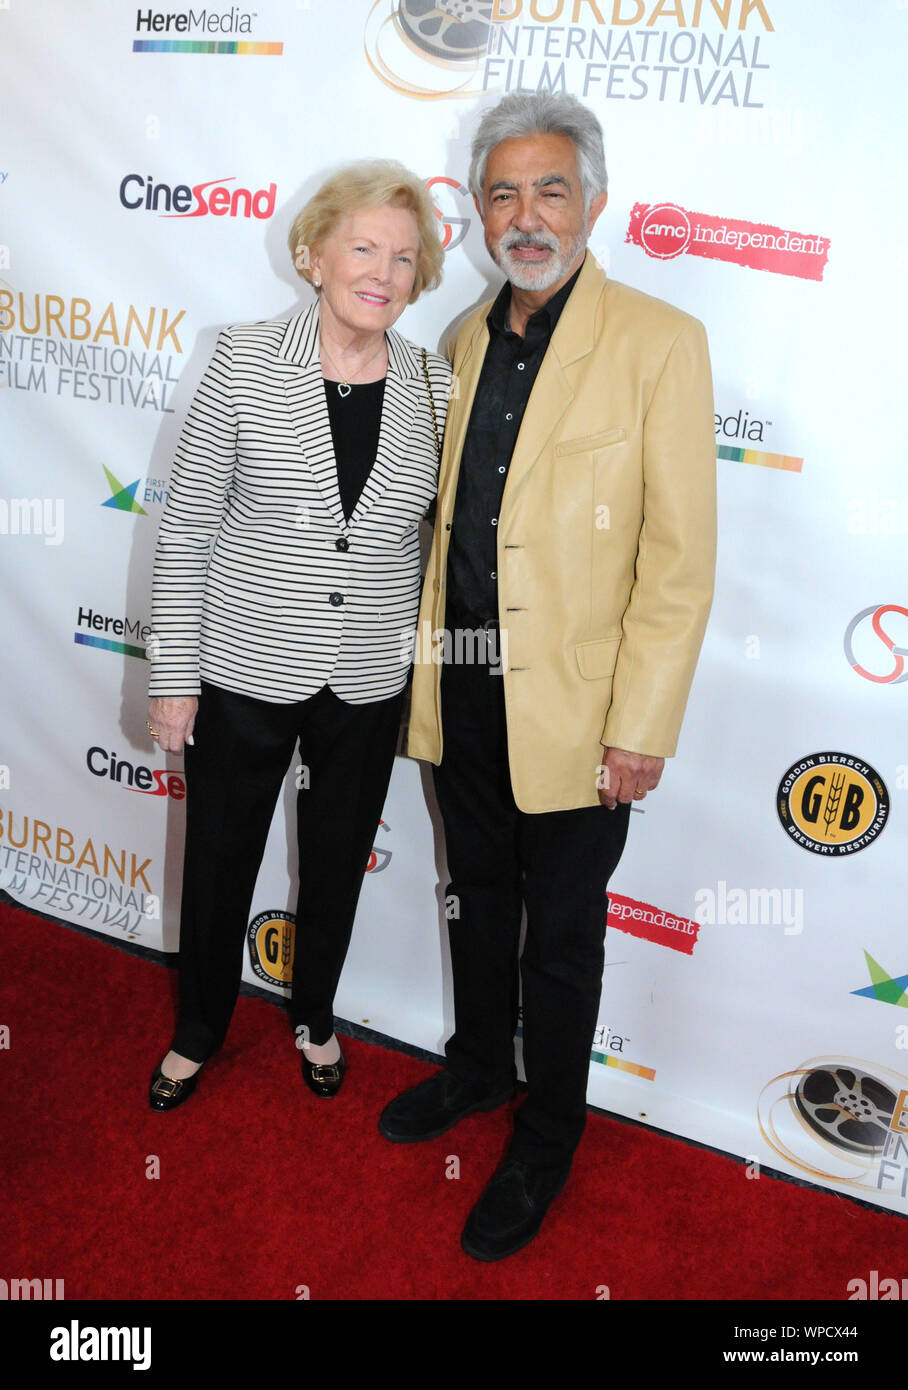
[832, 803]
[840, 1120]
[428, 48]
[271, 937]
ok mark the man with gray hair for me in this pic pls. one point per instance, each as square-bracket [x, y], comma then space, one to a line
[576, 523]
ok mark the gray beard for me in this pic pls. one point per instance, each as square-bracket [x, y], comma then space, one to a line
[526, 277]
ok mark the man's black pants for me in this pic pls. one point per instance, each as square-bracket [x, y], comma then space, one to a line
[558, 864]
[234, 773]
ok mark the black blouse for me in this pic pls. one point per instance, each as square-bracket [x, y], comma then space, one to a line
[355, 423]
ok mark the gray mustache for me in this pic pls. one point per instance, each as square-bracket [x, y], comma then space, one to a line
[509, 243]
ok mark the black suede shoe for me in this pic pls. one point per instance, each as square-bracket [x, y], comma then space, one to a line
[511, 1209]
[166, 1094]
[324, 1078]
[435, 1106]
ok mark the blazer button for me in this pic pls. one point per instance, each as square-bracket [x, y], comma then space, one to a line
[336, 599]
[342, 543]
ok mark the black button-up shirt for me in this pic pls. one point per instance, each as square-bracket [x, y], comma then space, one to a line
[508, 372]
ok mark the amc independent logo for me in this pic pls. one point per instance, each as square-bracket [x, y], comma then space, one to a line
[666, 230]
[832, 803]
[652, 923]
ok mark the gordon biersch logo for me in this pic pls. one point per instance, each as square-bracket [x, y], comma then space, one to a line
[667, 230]
[895, 664]
[832, 803]
[182, 200]
[271, 938]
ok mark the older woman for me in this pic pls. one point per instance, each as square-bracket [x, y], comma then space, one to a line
[286, 584]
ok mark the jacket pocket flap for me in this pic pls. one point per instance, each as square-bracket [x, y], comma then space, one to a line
[597, 659]
[589, 442]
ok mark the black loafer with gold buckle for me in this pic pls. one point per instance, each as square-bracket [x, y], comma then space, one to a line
[167, 1094]
[324, 1079]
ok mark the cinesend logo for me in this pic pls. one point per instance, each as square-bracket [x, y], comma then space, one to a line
[139, 192]
[147, 780]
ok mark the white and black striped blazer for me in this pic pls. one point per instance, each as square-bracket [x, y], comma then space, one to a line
[261, 585]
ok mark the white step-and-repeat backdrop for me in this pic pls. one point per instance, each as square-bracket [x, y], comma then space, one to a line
[152, 159]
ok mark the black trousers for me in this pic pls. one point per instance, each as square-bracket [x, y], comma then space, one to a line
[558, 864]
[234, 773]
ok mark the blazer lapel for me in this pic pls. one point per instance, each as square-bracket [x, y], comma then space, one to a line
[574, 338]
[459, 410]
[397, 414]
[305, 393]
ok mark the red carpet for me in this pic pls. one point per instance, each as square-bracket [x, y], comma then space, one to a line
[264, 1188]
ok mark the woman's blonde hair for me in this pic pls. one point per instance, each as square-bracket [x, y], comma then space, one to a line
[370, 183]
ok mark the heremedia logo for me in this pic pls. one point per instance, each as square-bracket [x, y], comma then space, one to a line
[212, 25]
[744, 428]
[120, 627]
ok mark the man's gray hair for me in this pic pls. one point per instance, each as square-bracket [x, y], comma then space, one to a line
[542, 113]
